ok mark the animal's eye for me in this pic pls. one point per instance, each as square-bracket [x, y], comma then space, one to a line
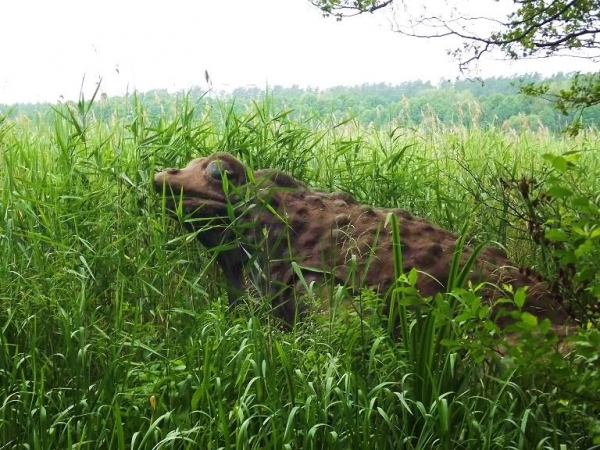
[216, 169]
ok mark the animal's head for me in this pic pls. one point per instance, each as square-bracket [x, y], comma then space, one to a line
[209, 186]
[206, 193]
[205, 187]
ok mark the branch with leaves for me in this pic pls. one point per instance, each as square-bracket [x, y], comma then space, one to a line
[346, 8]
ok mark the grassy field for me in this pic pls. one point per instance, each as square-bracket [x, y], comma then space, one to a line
[115, 330]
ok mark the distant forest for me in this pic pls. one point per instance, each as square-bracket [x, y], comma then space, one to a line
[491, 102]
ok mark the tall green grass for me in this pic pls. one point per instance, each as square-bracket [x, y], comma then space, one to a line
[115, 332]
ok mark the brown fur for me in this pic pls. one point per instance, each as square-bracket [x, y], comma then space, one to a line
[268, 219]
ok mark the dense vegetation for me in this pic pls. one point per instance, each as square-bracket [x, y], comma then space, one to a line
[493, 102]
[115, 332]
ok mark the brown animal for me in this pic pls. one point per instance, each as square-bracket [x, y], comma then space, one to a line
[269, 228]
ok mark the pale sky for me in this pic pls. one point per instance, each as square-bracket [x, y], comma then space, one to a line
[47, 47]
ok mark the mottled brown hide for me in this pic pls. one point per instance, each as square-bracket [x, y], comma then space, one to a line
[263, 222]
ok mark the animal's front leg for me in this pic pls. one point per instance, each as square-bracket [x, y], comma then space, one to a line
[236, 287]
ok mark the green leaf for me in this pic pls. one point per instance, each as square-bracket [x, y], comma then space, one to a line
[557, 235]
[483, 311]
[567, 258]
[411, 301]
[520, 298]
[450, 342]
[545, 326]
[587, 247]
[559, 191]
[529, 319]
[580, 202]
[557, 161]
[413, 275]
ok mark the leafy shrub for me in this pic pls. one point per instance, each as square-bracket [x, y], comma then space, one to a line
[563, 218]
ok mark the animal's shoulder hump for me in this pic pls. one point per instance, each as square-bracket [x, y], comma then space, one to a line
[278, 178]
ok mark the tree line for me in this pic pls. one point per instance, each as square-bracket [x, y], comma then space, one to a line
[490, 102]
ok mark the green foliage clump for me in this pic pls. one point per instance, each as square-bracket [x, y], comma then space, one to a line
[565, 223]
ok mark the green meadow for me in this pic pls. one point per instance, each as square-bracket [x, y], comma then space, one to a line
[116, 333]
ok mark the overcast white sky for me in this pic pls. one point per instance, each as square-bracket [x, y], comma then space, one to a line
[48, 47]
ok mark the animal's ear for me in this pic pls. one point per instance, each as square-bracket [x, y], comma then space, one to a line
[217, 168]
